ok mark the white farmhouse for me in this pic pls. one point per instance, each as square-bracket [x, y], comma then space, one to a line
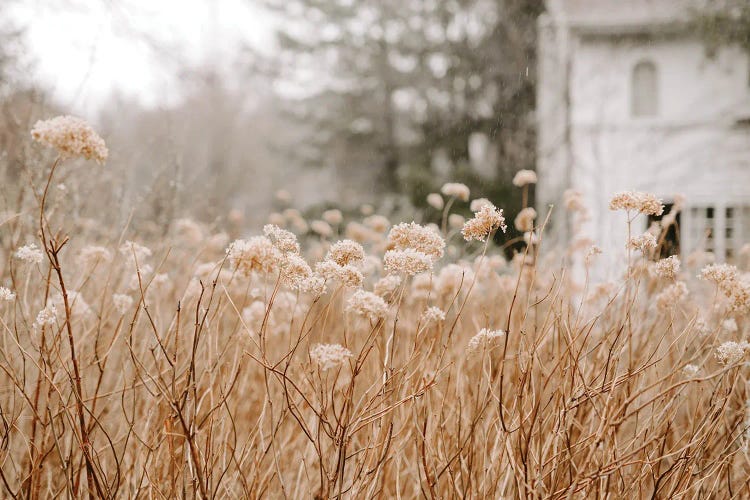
[630, 99]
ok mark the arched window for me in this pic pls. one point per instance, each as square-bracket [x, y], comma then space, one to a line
[644, 90]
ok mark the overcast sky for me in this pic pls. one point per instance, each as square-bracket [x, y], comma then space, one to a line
[83, 50]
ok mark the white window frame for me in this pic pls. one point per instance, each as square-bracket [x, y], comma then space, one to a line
[719, 226]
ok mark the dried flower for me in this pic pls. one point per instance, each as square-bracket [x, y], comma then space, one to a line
[457, 190]
[377, 223]
[6, 294]
[573, 201]
[525, 219]
[72, 137]
[477, 204]
[672, 295]
[92, 254]
[435, 201]
[420, 238]
[668, 268]
[285, 241]
[348, 275]
[730, 353]
[485, 339]
[729, 325]
[322, 228]
[46, 316]
[433, 315]
[346, 252]
[644, 242]
[122, 302]
[254, 254]
[386, 286]
[690, 370]
[407, 261]
[485, 221]
[718, 273]
[645, 203]
[333, 217]
[367, 304]
[30, 254]
[295, 271]
[130, 248]
[456, 220]
[524, 177]
[328, 356]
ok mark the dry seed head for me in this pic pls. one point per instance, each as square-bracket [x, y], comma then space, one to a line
[668, 268]
[730, 353]
[435, 201]
[322, 228]
[524, 221]
[408, 261]
[645, 203]
[285, 241]
[346, 252]
[457, 190]
[333, 217]
[484, 340]
[122, 302]
[71, 137]
[477, 204]
[422, 239]
[255, 254]
[485, 221]
[327, 356]
[524, 177]
[433, 315]
[6, 294]
[367, 304]
[30, 254]
[386, 286]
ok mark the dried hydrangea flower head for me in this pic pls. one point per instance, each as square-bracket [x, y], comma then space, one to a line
[672, 296]
[718, 273]
[346, 252]
[456, 221]
[645, 203]
[485, 221]
[645, 242]
[435, 201]
[668, 268]
[408, 261]
[730, 353]
[255, 254]
[295, 271]
[484, 340]
[524, 178]
[327, 356]
[285, 241]
[93, 254]
[524, 221]
[348, 275]
[367, 304]
[71, 137]
[387, 286]
[322, 228]
[6, 294]
[456, 190]
[432, 315]
[30, 254]
[420, 238]
[333, 216]
[122, 302]
[477, 204]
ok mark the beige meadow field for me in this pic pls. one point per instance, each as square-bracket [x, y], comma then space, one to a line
[366, 358]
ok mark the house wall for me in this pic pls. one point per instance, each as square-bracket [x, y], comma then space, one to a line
[691, 147]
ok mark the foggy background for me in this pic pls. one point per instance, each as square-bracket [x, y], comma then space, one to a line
[211, 107]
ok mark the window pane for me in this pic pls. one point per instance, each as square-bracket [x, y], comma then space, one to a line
[645, 89]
